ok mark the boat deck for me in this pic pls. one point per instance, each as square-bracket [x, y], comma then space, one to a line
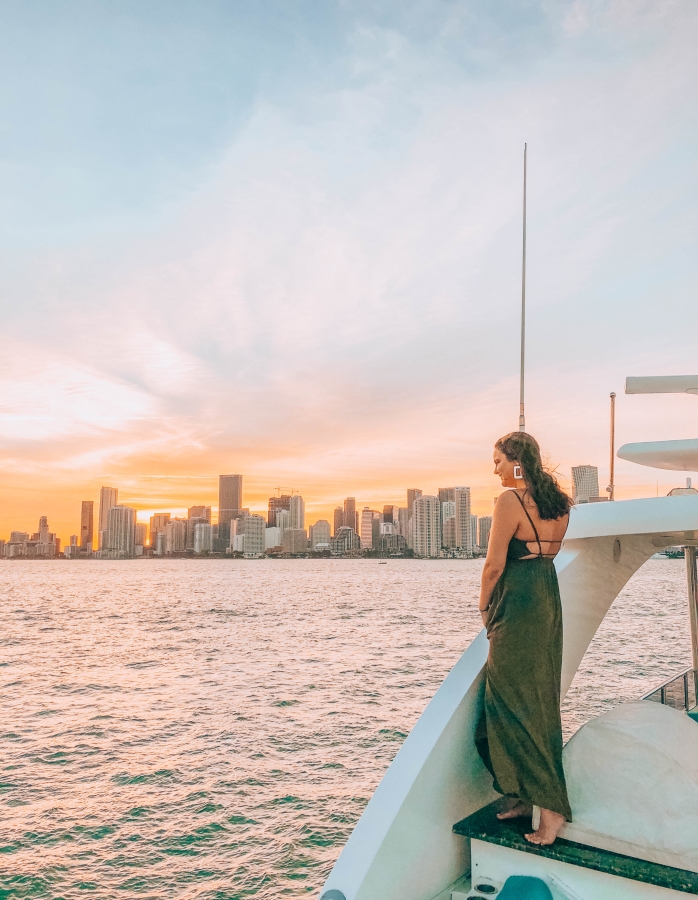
[485, 826]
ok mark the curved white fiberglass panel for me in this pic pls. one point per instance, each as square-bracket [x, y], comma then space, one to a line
[679, 456]
[632, 777]
[402, 848]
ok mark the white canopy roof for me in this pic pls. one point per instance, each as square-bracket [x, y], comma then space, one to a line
[681, 456]
[662, 384]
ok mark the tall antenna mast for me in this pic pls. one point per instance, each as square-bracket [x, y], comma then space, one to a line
[522, 417]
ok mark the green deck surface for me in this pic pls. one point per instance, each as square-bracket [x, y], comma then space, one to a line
[485, 826]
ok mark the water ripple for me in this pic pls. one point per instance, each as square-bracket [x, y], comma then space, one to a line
[214, 729]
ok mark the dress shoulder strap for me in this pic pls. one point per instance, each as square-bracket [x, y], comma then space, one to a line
[535, 530]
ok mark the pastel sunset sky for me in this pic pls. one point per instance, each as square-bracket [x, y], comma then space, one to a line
[284, 239]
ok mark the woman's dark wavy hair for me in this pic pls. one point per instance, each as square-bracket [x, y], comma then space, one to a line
[551, 500]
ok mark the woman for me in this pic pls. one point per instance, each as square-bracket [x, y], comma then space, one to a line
[520, 734]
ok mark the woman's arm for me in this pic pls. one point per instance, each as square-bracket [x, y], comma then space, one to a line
[505, 521]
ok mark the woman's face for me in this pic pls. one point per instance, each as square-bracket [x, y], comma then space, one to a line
[505, 469]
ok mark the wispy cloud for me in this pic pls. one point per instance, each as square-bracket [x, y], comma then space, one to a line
[330, 293]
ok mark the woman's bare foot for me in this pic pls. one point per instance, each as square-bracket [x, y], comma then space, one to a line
[517, 811]
[549, 828]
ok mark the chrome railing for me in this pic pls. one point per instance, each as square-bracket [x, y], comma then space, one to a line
[678, 692]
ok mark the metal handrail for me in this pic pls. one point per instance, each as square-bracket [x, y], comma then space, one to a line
[683, 677]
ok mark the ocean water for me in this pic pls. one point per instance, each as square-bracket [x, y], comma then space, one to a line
[214, 729]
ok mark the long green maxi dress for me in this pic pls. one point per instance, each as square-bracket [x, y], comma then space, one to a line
[519, 735]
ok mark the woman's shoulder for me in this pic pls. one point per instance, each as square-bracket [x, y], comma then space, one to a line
[507, 500]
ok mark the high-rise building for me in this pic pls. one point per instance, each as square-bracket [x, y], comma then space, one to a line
[345, 541]
[192, 522]
[108, 497]
[464, 534]
[483, 533]
[295, 540]
[158, 524]
[366, 532]
[203, 537]
[87, 524]
[449, 533]
[121, 531]
[376, 531]
[390, 514]
[277, 503]
[200, 512]
[283, 520]
[229, 503]
[448, 509]
[176, 536]
[44, 535]
[447, 495]
[412, 494]
[254, 530]
[272, 537]
[586, 483]
[351, 518]
[403, 521]
[319, 533]
[448, 519]
[427, 526]
[338, 519]
[297, 510]
[140, 535]
[473, 531]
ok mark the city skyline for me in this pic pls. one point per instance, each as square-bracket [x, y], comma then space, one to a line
[206, 489]
[458, 521]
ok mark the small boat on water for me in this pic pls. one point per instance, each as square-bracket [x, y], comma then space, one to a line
[430, 830]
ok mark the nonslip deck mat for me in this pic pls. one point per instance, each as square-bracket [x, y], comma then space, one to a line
[485, 826]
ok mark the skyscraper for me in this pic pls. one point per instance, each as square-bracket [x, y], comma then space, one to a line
[447, 495]
[448, 523]
[297, 510]
[229, 503]
[464, 535]
[390, 514]
[176, 536]
[87, 524]
[351, 520]
[158, 525]
[295, 540]
[200, 512]
[203, 537]
[427, 526]
[108, 497]
[319, 533]
[276, 503]
[448, 538]
[254, 530]
[121, 530]
[586, 483]
[473, 531]
[412, 494]
[448, 510]
[366, 533]
[338, 519]
[283, 521]
[140, 534]
[483, 535]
